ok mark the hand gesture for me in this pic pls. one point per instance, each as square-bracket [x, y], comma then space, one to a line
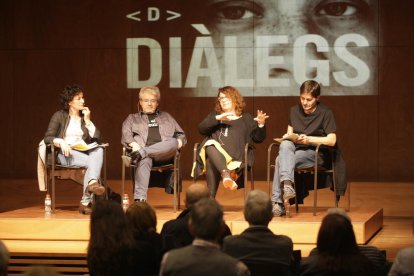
[261, 117]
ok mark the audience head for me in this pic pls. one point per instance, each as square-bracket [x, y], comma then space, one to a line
[110, 240]
[194, 193]
[232, 94]
[206, 220]
[141, 218]
[68, 93]
[4, 259]
[258, 208]
[339, 211]
[312, 87]
[107, 219]
[336, 236]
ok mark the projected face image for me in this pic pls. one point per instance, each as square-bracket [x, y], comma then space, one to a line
[269, 47]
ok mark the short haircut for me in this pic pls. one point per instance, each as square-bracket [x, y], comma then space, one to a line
[312, 87]
[258, 208]
[194, 193]
[68, 93]
[152, 90]
[207, 219]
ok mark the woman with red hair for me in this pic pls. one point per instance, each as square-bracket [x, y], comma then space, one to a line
[227, 129]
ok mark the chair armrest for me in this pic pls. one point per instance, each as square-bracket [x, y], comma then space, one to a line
[195, 152]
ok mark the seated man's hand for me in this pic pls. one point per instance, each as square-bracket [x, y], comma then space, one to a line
[134, 146]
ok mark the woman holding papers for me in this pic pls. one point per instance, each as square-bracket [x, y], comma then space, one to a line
[72, 131]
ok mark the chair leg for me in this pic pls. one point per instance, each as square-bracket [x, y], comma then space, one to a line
[123, 179]
[251, 179]
[348, 201]
[53, 193]
[245, 182]
[105, 184]
[175, 203]
[315, 191]
[296, 199]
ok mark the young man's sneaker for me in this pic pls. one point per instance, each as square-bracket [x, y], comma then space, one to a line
[278, 209]
[288, 190]
[228, 182]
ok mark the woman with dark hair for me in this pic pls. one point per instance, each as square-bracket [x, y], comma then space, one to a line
[73, 126]
[337, 251]
[227, 130]
[110, 240]
[148, 249]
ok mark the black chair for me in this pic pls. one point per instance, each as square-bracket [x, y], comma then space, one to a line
[247, 170]
[57, 171]
[314, 170]
[173, 166]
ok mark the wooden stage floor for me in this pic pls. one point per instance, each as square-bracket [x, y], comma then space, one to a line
[25, 229]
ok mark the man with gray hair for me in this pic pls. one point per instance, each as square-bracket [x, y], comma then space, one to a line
[152, 136]
[257, 244]
[203, 256]
[175, 233]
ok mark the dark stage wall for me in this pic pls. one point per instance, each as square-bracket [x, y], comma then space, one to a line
[45, 45]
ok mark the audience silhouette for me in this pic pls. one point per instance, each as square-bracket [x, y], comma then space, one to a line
[203, 256]
[110, 243]
[403, 263]
[142, 222]
[175, 232]
[337, 250]
[257, 246]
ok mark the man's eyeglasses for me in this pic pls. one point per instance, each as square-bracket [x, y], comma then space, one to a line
[149, 101]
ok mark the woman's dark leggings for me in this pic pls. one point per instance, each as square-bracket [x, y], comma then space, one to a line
[215, 163]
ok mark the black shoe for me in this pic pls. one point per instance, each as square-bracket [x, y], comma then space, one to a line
[85, 210]
[140, 200]
[135, 158]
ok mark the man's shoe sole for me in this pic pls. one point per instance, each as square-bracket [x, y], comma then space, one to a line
[96, 189]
